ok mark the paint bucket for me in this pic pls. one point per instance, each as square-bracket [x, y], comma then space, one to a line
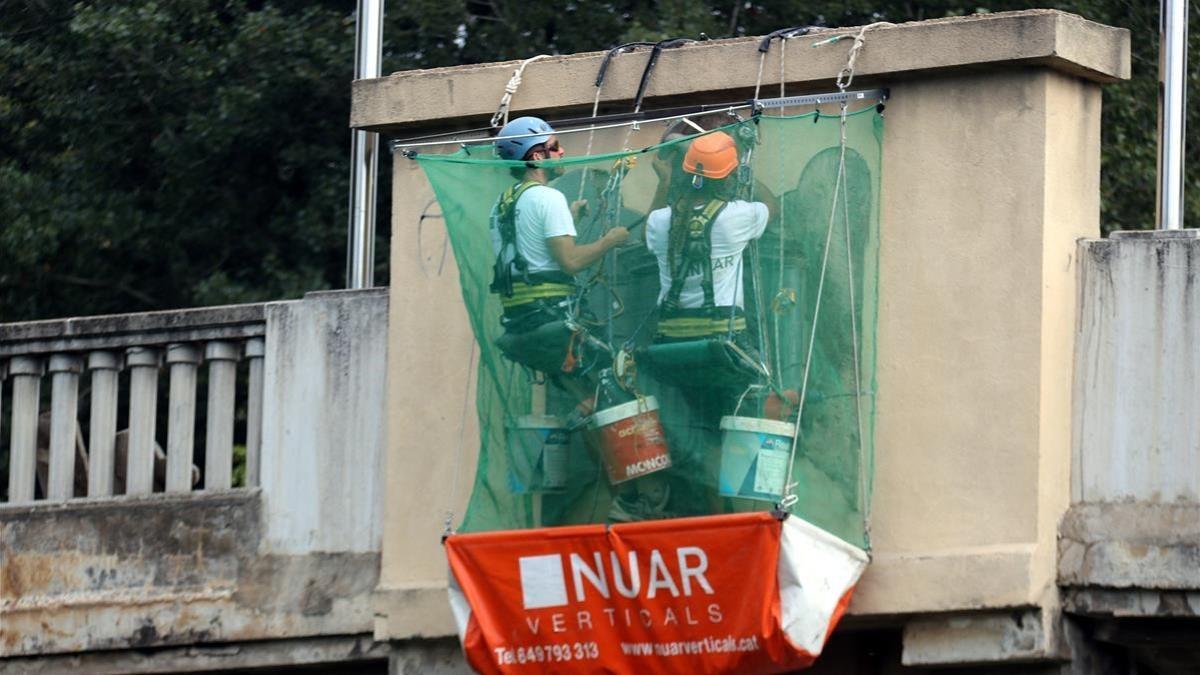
[754, 457]
[630, 439]
[537, 447]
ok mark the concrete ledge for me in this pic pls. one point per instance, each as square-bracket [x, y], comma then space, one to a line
[728, 68]
[946, 581]
[427, 657]
[1131, 602]
[351, 649]
[416, 611]
[1027, 635]
[1130, 545]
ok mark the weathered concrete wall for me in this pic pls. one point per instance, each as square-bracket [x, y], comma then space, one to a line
[297, 558]
[1137, 431]
[139, 572]
[323, 422]
[991, 174]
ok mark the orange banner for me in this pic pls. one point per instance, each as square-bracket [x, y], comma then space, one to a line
[668, 596]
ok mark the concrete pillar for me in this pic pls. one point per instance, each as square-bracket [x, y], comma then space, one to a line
[143, 402]
[222, 381]
[256, 349]
[104, 367]
[182, 359]
[26, 372]
[64, 405]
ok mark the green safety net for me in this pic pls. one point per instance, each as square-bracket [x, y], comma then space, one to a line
[787, 391]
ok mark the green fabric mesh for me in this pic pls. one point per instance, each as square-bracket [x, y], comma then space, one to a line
[794, 169]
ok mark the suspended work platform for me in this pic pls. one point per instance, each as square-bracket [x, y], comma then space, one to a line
[986, 177]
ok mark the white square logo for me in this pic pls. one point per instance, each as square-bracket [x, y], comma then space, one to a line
[542, 583]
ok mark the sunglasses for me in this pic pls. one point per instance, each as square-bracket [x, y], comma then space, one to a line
[553, 147]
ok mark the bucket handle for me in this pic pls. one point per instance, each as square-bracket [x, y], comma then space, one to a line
[742, 399]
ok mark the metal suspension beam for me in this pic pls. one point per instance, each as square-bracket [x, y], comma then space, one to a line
[1172, 111]
[479, 136]
[364, 153]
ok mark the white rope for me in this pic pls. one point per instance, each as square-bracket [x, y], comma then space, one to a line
[762, 59]
[514, 83]
[846, 74]
[864, 497]
[844, 79]
[782, 69]
[583, 180]
[790, 497]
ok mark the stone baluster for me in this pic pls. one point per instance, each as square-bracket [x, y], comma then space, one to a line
[255, 351]
[26, 373]
[105, 368]
[183, 360]
[143, 365]
[64, 372]
[222, 381]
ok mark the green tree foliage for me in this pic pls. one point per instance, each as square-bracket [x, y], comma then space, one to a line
[174, 153]
[170, 154]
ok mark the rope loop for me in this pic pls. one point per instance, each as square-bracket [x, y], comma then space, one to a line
[846, 75]
[510, 89]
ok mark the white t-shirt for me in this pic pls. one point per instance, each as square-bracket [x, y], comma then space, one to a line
[738, 224]
[542, 212]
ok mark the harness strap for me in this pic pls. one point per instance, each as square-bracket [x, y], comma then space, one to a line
[506, 217]
[696, 255]
[523, 294]
[698, 327]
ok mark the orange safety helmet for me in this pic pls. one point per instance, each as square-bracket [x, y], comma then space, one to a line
[712, 156]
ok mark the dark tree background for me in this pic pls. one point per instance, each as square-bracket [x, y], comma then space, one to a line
[187, 152]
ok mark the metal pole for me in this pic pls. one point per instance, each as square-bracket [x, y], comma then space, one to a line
[364, 153]
[1172, 111]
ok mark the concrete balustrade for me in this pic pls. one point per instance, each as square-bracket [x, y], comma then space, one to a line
[180, 558]
[50, 458]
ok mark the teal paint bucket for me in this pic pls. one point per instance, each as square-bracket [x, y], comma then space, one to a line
[754, 457]
[537, 449]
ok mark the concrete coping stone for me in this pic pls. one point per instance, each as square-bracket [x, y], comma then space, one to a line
[159, 500]
[128, 330]
[1156, 234]
[725, 70]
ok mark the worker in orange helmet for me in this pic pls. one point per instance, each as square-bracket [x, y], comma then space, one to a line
[698, 241]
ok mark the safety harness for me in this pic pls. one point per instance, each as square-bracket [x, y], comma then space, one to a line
[532, 286]
[695, 256]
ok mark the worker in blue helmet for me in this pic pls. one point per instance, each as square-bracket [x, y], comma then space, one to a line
[533, 234]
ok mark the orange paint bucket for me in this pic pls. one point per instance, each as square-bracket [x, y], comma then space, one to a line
[630, 439]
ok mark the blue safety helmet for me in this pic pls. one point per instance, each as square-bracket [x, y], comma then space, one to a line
[516, 148]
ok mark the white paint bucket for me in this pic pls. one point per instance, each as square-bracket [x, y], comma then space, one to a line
[754, 457]
[537, 448]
